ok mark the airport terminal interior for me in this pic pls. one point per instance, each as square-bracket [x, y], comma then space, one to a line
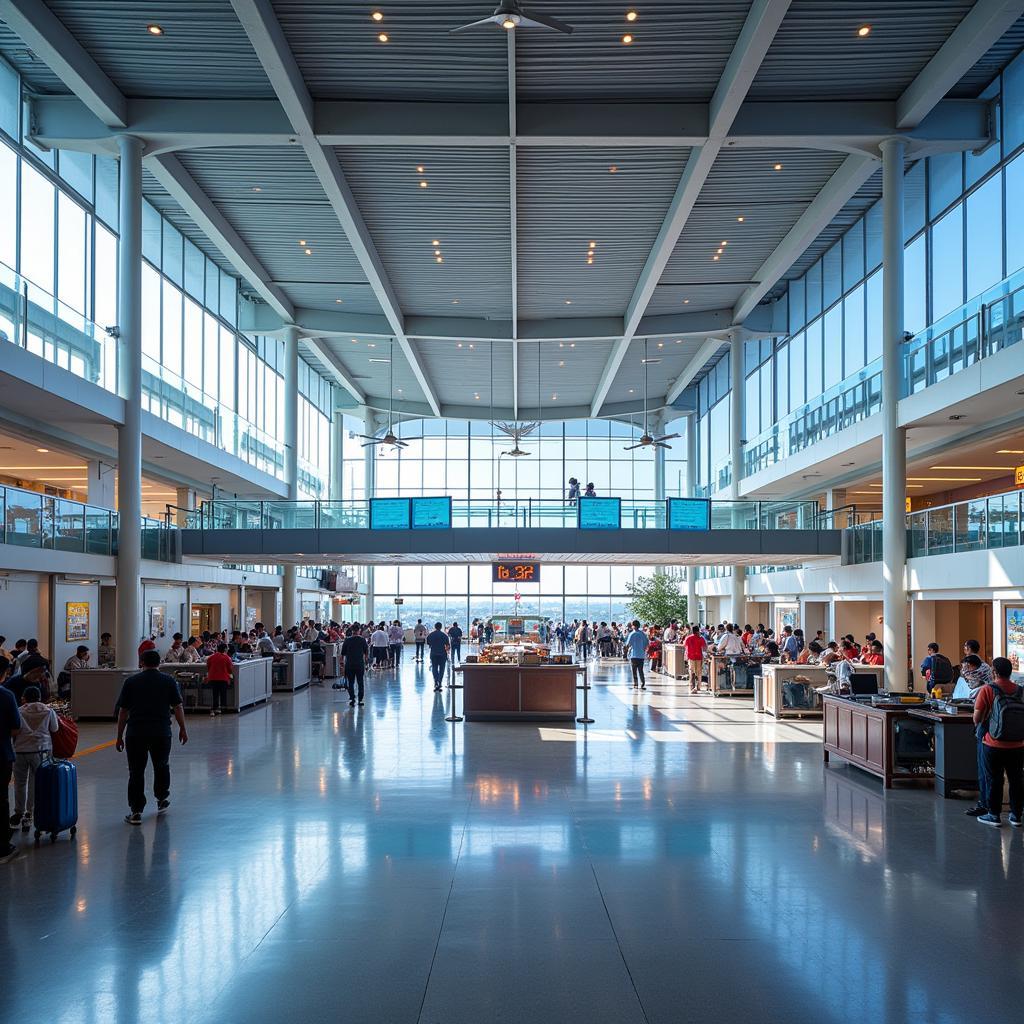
[511, 513]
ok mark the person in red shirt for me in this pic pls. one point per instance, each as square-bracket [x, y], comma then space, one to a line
[874, 654]
[1000, 756]
[694, 646]
[748, 635]
[654, 650]
[219, 673]
[146, 645]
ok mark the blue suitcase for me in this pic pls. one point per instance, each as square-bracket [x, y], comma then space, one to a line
[56, 807]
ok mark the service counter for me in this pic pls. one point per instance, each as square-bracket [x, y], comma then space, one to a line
[956, 757]
[519, 693]
[94, 691]
[250, 683]
[292, 670]
[788, 691]
[890, 742]
[733, 675]
[673, 658]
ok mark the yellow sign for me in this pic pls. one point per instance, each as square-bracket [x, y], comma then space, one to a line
[76, 620]
[1018, 476]
[908, 504]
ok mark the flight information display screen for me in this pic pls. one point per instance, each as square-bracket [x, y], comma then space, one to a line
[515, 572]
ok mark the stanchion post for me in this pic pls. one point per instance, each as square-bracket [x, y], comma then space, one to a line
[453, 686]
[586, 719]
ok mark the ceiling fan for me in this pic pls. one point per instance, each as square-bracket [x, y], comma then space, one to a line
[646, 440]
[510, 15]
[390, 437]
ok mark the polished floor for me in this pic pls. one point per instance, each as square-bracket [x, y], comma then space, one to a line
[680, 860]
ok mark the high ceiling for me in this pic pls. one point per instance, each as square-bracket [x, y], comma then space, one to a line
[547, 201]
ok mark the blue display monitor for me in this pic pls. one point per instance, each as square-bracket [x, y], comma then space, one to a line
[389, 514]
[599, 513]
[432, 513]
[689, 514]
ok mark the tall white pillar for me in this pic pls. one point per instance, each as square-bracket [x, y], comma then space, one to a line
[894, 442]
[337, 448]
[289, 611]
[185, 500]
[739, 577]
[100, 487]
[129, 379]
[370, 484]
[692, 609]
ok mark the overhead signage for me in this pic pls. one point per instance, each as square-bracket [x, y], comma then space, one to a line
[389, 514]
[1018, 476]
[432, 513]
[689, 514]
[515, 572]
[599, 513]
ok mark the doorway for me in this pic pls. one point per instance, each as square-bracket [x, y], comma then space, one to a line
[205, 619]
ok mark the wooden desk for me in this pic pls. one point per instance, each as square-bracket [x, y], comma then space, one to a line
[519, 693]
[730, 675]
[866, 737]
[774, 678]
[956, 752]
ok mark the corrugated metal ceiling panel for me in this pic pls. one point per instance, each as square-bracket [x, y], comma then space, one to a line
[561, 373]
[465, 207]
[670, 298]
[203, 50]
[673, 355]
[678, 53]
[975, 81]
[340, 56]
[355, 355]
[290, 206]
[460, 374]
[622, 212]
[355, 298]
[36, 75]
[817, 52]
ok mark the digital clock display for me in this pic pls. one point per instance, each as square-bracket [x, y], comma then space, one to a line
[515, 572]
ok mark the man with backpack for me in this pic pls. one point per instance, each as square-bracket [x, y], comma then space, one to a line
[936, 668]
[999, 708]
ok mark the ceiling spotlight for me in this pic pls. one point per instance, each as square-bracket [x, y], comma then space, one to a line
[439, 259]
[740, 219]
[686, 302]
[631, 15]
[423, 184]
[455, 302]
[593, 245]
[309, 252]
[864, 30]
[590, 260]
[778, 167]
[613, 169]
[377, 16]
[256, 188]
[383, 37]
[724, 244]
[419, 170]
[627, 39]
[154, 30]
[554, 398]
[437, 252]
[42, 451]
[436, 241]
[511, 21]
[458, 345]
[562, 363]
[302, 241]
[568, 302]
[339, 301]
[716, 257]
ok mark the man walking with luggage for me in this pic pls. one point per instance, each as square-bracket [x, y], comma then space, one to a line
[147, 701]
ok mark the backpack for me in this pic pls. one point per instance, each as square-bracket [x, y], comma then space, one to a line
[1006, 719]
[942, 670]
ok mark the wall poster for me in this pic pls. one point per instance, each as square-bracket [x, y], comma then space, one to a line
[76, 619]
[1014, 635]
[157, 618]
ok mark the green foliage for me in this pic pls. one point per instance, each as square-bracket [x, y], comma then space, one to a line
[657, 599]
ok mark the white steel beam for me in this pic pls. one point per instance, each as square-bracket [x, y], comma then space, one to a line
[333, 365]
[168, 170]
[44, 33]
[756, 36]
[980, 29]
[264, 31]
[836, 193]
[703, 355]
[513, 218]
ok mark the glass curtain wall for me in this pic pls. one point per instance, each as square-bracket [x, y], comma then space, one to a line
[961, 239]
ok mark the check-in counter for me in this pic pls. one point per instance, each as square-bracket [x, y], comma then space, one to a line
[250, 684]
[956, 760]
[297, 670]
[519, 693]
[674, 660]
[94, 691]
[733, 675]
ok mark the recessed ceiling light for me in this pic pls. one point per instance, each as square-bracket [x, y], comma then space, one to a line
[256, 188]
[510, 22]
[1010, 451]
[568, 302]
[439, 259]
[339, 301]
[423, 184]
[42, 451]
[949, 479]
[154, 30]
[383, 37]
[436, 241]
[554, 398]
[302, 241]
[631, 15]
[661, 344]
[679, 341]
[355, 341]
[627, 39]
[590, 260]
[477, 397]
[455, 302]
[686, 302]
[419, 170]
[864, 30]
[572, 344]
[740, 219]
[593, 245]
[309, 252]
[613, 169]
[437, 252]
[471, 345]
[725, 243]
[562, 363]
[716, 256]
[1008, 469]
[778, 167]
[459, 345]
[631, 391]
[372, 344]
[377, 16]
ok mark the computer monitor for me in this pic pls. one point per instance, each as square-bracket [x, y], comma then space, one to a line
[863, 683]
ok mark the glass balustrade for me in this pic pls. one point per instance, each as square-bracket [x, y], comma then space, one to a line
[979, 524]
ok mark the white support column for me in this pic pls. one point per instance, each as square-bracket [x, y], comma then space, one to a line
[658, 428]
[370, 483]
[101, 484]
[739, 577]
[289, 610]
[894, 442]
[129, 434]
[186, 502]
[337, 448]
[692, 607]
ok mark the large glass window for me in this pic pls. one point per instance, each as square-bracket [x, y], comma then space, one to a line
[915, 286]
[8, 203]
[985, 237]
[853, 331]
[37, 227]
[947, 263]
[1014, 203]
[105, 278]
[72, 254]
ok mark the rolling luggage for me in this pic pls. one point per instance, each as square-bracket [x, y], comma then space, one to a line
[56, 807]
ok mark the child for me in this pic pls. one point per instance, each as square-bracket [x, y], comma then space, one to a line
[32, 746]
[654, 651]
